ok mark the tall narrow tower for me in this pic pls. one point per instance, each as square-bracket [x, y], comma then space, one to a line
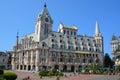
[98, 37]
[44, 24]
[17, 40]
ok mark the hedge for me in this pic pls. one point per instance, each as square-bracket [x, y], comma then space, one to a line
[9, 76]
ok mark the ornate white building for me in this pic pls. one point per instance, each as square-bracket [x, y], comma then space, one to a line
[115, 46]
[64, 50]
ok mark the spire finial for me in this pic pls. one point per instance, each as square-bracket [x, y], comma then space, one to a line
[45, 5]
[17, 34]
[97, 31]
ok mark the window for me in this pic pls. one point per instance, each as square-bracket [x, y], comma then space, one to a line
[61, 46]
[96, 50]
[81, 38]
[67, 32]
[52, 40]
[76, 48]
[52, 45]
[43, 45]
[71, 33]
[3, 60]
[52, 34]
[90, 61]
[75, 42]
[60, 35]
[84, 61]
[82, 43]
[68, 47]
[23, 53]
[64, 31]
[74, 33]
[67, 36]
[60, 41]
[68, 42]
[87, 39]
[90, 49]
[96, 55]
[74, 37]
[88, 44]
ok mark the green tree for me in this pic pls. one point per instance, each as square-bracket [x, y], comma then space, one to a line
[108, 63]
[118, 67]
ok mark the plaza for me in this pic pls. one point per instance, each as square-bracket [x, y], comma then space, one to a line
[33, 76]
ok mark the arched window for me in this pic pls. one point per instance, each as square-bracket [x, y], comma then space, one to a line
[52, 45]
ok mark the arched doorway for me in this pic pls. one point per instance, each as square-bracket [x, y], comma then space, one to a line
[29, 67]
[80, 68]
[56, 67]
[24, 67]
[72, 68]
[21, 67]
[64, 68]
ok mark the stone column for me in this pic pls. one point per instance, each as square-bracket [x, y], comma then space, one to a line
[31, 60]
[27, 61]
[37, 60]
[19, 60]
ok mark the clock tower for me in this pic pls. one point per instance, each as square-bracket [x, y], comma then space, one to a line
[43, 25]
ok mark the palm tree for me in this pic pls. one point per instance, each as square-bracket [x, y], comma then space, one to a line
[94, 67]
[118, 68]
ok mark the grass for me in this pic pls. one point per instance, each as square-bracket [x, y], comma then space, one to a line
[118, 79]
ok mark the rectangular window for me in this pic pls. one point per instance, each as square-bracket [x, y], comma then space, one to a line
[67, 32]
[74, 33]
[71, 32]
[64, 31]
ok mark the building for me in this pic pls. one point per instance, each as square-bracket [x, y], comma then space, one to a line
[5, 60]
[64, 50]
[115, 46]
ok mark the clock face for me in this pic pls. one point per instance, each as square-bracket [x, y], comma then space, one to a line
[46, 19]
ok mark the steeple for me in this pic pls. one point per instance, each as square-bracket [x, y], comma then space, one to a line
[45, 13]
[17, 40]
[97, 30]
[43, 24]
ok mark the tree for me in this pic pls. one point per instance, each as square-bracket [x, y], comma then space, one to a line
[108, 63]
[118, 67]
[94, 67]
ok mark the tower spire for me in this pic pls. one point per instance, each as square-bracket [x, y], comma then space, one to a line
[45, 5]
[17, 39]
[97, 30]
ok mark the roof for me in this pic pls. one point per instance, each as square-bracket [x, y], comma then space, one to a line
[33, 36]
[68, 26]
[45, 13]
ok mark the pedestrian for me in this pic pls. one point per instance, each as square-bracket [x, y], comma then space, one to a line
[28, 78]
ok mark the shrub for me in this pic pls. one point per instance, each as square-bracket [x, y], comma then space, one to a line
[54, 72]
[1, 71]
[10, 76]
[44, 73]
[105, 73]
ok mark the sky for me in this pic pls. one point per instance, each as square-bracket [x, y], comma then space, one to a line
[21, 15]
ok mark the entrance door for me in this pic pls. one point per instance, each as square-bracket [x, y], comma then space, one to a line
[65, 68]
[72, 68]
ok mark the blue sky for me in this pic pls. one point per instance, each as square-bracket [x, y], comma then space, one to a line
[20, 15]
